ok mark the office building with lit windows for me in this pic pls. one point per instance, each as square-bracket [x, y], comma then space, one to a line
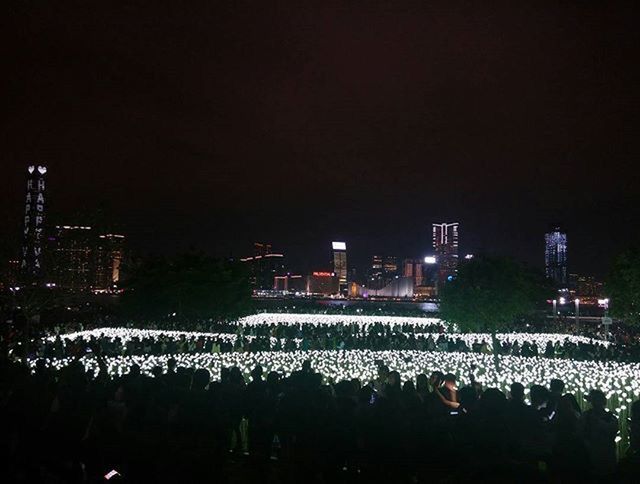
[555, 256]
[375, 272]
[445, 244]
[340, 263]
[413, 269]
[389, 268]
[108, 255]
[322, 283]
[71, 248]
[264, 265]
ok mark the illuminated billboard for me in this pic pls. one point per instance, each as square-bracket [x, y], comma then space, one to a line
[339, 245]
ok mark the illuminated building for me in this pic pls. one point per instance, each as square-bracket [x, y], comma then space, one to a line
[264, 266]
[323, 284]
[375, 274]
[290, 283]
[397, 288]
[261, 249]
[413, 269]
[71, 250]
[340, 263]
[555, 256]
[108, 259]
[584, 286]
[383, 270]
[31, 265]
[445, 244]
[389, 268]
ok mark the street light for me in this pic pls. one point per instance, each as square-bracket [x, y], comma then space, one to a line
[555, 311]
[577, 301]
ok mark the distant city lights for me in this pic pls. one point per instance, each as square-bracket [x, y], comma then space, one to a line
[430, 259]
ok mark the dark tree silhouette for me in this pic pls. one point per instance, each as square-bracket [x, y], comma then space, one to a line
[492, 294]
[623, 287]
[191, 285]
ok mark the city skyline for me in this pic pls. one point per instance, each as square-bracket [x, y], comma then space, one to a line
[444, 245]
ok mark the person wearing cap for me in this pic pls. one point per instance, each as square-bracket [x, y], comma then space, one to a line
[599, 429]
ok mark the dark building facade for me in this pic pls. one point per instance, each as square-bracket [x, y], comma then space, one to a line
[389, 268]
[323, 284]
[109, 253]
[71, 248]
[264, 266]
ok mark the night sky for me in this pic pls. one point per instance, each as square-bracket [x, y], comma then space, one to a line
[215, 124]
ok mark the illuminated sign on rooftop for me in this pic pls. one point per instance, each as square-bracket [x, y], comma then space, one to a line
[339, 245]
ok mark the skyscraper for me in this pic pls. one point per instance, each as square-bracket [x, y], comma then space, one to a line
[264, 265]
[555, 256]
[413, 269]
[108, 259]
[445, 243]
[376, 267]
[390, 267]
[72, 257]
[340, 263]
[34, 216]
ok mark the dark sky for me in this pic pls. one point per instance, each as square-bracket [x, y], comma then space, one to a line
[214, 124]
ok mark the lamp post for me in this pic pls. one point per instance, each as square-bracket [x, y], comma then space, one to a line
[555, 311]
[577, 315]
[606, 320]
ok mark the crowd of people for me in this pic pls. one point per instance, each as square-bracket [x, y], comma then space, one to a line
[279, 337]
[179, 426]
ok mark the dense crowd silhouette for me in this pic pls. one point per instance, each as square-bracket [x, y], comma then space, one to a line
[178, 426]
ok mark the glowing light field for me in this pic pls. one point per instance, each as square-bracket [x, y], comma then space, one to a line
[619, 381]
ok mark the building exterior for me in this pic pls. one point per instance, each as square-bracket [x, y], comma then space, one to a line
[71, 248]
[340, 263]
[375, 272]
[10, 274]
[413, 268]
[31, 264]
[445, 244]
[294, 283]
[262, 249]
[264, 265]
[323, 284]
[555, 256]
[80, 260]
[108, 255]
[397, 288]
[584, 286]
[389, 268]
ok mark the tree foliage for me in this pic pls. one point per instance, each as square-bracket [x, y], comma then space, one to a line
[192, 285]
[492, 294]
[623, 287]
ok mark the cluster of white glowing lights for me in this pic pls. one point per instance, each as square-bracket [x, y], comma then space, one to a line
[620, 381]
[361, 321]
[124, 335]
